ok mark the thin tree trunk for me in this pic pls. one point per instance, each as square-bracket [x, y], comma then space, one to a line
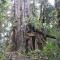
[57, 5]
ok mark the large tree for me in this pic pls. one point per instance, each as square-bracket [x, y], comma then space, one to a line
[21, 10]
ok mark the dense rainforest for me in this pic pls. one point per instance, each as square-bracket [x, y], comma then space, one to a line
[29, 29]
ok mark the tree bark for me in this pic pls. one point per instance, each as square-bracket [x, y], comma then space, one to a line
[57, 5]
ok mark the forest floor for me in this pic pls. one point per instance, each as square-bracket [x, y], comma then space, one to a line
[15, 56]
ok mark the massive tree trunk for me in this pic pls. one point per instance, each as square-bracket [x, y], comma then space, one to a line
[21, 10]
[17, 33]
[18, 21]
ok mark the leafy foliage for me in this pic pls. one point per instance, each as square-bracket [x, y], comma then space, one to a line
[34, 21]
[4, 5]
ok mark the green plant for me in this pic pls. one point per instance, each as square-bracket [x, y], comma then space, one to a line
[34, 21]
[52, 51]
